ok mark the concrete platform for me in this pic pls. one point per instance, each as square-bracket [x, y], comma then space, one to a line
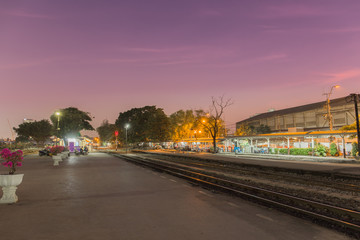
[102, 197]
[347, 167]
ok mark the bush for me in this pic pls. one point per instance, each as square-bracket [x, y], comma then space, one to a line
[333, 149]
[354, 150]
[283, 151]
[321, 150]
[300, 151]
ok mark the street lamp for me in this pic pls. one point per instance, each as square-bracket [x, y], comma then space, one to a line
[58, 126]
[196, 131]
[328, 114]
[126, 128]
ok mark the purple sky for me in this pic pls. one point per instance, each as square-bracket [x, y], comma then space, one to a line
[105, 57]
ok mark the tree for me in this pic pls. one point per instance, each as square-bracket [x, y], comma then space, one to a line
[349, 127]
[263, 129]
[146, 124]
[106, 131]
[355, 149]
[245, 130]
[212, 121]
[71, 122]
[182, 124]
[40, 131]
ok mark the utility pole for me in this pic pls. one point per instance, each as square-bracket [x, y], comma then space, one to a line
[328, 115]
[12, 134]
[355, 98]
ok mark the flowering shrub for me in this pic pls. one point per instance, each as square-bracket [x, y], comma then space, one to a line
[56, 149]
[12, 159]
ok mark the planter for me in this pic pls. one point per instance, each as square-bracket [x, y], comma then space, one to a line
[57, 159]
[9, 185]
[64, 155]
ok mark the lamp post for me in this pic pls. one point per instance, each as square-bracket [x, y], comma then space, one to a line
[328, 114]
[58, 126]
[196, 131]
[126, 128]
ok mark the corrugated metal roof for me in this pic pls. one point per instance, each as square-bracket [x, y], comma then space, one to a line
[303, 108]
[304, 134]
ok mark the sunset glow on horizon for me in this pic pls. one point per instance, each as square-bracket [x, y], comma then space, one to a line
[106, 57]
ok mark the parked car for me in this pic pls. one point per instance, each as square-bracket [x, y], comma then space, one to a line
[44, 152]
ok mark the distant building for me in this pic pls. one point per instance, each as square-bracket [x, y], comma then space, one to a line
[28, 120]
[305, 118]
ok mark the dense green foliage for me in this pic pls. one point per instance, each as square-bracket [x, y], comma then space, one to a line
[283, 151]
[106, 131]
[321, 150]
[145, 124]
[262, 129]
[301, 151]
[294, 151]
[355, 149]
[333, 149]
[248, 130]
[71, 122]
[183, 125]
[40, 131]
[245, 130]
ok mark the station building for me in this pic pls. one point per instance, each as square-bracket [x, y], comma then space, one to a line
[300, 127]
[308, 117]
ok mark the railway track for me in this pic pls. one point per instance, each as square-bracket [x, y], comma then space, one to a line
[276, 175]
[342, 219]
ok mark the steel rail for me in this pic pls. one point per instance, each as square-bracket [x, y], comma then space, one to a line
[233, 187]
[337, 185]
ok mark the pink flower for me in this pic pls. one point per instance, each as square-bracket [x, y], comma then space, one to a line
[11, 159]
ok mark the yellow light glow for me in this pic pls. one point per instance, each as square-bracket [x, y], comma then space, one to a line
[57, 113]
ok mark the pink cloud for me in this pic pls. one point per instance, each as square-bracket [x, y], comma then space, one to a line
[340, 76]
[294, 11]
[150, 61]
[266, 58]
[154, 50]
[25, 64]
[21, 13]
[271, 57]
[343, 30]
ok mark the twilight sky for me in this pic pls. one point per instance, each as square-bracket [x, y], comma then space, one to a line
[106, 57]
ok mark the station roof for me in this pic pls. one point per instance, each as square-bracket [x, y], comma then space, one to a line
[303, 108]
[277, 135]
[301, 134]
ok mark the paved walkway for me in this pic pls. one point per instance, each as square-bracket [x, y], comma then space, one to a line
[102, 197]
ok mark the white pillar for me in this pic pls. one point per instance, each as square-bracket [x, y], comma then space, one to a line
[251, 146]
[313, 145]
